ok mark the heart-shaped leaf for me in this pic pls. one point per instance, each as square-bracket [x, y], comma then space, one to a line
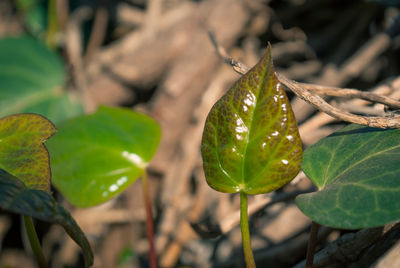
[357, 171]
[31, 80]
[94, 157]
[250, 141]
[22, 152]
[17, 198]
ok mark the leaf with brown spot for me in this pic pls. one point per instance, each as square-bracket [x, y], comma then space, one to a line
[22, 152]
[250, 141]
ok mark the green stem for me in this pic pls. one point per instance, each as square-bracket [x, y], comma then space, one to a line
[244, 226]
[149, 222]
[34, 241]
[52, 24]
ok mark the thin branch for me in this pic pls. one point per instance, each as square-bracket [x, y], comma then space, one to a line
[351, 93]
[322, 105]
[350, 247]
[354, 109]
[237, 66]
[62, 14]
[98, 30]
[308, 92]
[74, 51]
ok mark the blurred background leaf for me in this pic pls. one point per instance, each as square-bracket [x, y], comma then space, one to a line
[34, 15]
[32, 80]
[94, 157]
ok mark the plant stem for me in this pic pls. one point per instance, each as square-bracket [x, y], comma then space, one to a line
[244, 226]
[52, 24]
[312, 243]
[34, 241]
[149, 221]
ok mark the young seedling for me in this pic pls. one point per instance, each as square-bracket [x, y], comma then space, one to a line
[250, 143]
[355, 169]
[25, 179]
[95, 157]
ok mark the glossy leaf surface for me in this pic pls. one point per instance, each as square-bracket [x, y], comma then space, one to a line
[250, 139]
[357, 171]
[31, 80]
[22, 152]
[17, 198]
[94, 157]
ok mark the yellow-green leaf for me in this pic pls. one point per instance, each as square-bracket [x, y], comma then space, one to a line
[22, 152]
[250, 141]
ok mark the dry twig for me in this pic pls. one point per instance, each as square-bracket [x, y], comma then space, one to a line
[307, 92]
[98, 30]
[74, 53]
[322, 105]
[351, 93]
[310, 130]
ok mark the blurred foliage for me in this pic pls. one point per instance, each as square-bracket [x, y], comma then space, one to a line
[34, 14]
[95, 157]
[32, 79]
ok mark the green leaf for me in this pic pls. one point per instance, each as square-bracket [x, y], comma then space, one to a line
[22, 152]
[31, 80]
[357, 171]
[17, 198]
[35, 20]
[250, 141]
[94, 157]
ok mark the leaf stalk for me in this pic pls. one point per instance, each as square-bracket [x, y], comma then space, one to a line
[52, 22]
[34, 241]
[244, 226]
[149, 221]
[312, 243]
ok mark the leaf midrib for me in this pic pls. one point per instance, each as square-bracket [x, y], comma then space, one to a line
[31, 99]
[363, 160]
[344, 159]
[216, 138]
[273, 152]
[259, 88]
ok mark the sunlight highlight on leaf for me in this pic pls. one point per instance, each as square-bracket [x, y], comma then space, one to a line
[250, 140]
[94, 157]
